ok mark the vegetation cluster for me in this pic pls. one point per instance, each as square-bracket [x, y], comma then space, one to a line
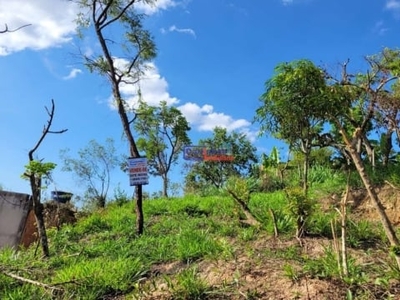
[253, 217]
[202, 248]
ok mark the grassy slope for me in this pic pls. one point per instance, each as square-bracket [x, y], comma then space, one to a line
[197, 248]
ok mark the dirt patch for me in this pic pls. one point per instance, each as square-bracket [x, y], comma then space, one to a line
[255, 274]
[56, 214]
[260, 270]
[389, 197]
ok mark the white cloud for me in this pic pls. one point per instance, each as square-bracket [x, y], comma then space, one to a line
[204, 118]
[379, 28]
[52, 24]
[180, 30]
[393, 4]
[158, 5]
[293, 2]
[153, 87]
[72, 74]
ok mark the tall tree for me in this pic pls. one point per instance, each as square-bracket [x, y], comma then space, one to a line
[292, 108]
[35, 171]
[164, 133]
[388, 103]
[364, 91]
[93, 168]
[107, 18]
[203, 174]
[350, 104]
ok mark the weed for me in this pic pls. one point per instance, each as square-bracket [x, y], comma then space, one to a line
[191, 245]
[97, 277]
[300, 207]
[323, 267]
[290, 272]
[319, 224]
[251, 294]
[101, 256]
[188, 285]
[284, 223]
[93, 224]
[249, 234]
[362, 234]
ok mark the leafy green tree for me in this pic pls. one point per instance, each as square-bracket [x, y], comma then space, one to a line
[366, 93]
[164, 133]
[105, 19]
[300, 207]
[349, 103]
[388, 104]
[270, 171]
[292, 108]
[203, 174]
[93, 168]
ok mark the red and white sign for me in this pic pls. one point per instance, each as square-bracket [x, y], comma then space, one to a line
[137, 168]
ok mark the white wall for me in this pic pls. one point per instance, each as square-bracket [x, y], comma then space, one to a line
[14, 209]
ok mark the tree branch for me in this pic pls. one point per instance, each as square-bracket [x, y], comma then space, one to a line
[46, 130]
[30, 281]
[13, 30]
[117, 17]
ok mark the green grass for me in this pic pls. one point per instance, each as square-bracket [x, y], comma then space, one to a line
[102, 256]
[188, 285]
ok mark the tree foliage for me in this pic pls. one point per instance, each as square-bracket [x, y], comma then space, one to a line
[164, 133]
[122, 59]
[299, 99]
[93, 168]
[293, 107]
[365, 93]
[203, 174]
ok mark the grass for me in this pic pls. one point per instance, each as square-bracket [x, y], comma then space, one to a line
[102, 257]
[188, 285]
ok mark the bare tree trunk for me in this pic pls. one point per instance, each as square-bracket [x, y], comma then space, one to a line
[386, 146]
[245, 209]
[115, 81]
[165, 186]
[370, 151]
[101, 201]
[387, 226]
[38, 210]
[336, 246]
[35, 180]
[276, 232]
[300, 224]
[139, 209]
[343, 226]
[305, 172]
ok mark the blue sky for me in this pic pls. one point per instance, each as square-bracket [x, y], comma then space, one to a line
[213, 59]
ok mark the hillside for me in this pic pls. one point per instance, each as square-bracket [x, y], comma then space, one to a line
[198, 248]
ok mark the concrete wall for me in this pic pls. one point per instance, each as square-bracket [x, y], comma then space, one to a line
[14, 210]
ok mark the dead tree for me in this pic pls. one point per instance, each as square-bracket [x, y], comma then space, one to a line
[35, 180]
